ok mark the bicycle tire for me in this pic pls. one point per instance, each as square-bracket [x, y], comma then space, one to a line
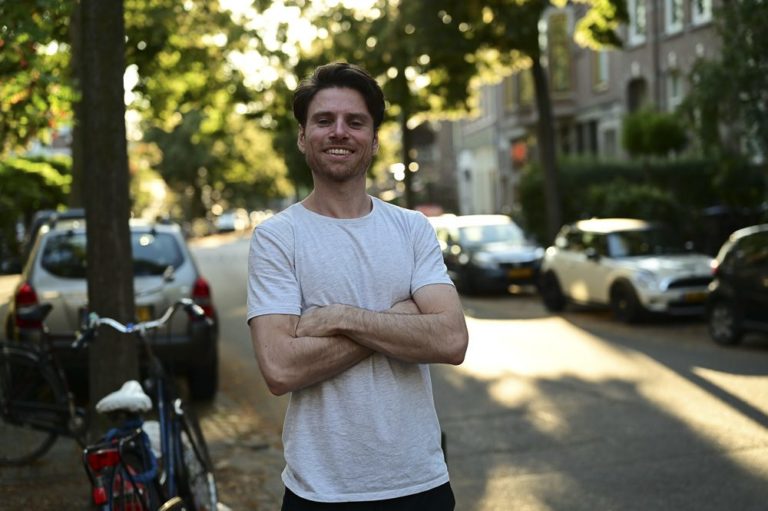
[197, 483]
[31, 401]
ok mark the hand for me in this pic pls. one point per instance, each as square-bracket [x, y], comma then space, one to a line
[319, 321]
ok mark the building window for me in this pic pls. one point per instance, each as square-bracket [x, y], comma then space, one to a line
[673, 14]
[525, 83]
[637, 21]
[508, 91]
[701, 11]
[558, 44]
[600, 70]
[674, 90]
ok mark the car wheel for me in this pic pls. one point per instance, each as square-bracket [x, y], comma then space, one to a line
[624, 303]
[465, 284]
[724, 323]
[203, 380]
[551, 293]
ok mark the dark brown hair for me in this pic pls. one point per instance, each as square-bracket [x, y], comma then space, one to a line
[339, 74]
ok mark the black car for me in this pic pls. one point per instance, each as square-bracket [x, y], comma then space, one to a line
[487, 253]
[738, 296]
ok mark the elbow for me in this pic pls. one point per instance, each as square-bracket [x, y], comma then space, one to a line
[458, 349]
[278, 381]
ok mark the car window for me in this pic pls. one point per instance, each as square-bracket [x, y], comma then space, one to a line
[64, 254]
[644, 242]
[483, 234]
[154, 253]
[751, 251]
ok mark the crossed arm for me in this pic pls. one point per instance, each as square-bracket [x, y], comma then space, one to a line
[294, 352]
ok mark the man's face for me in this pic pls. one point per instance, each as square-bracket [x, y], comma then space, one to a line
[339, 139]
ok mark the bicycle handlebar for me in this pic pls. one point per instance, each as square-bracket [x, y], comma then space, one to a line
[94, 321]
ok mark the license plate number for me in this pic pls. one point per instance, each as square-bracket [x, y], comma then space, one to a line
[518, 273]
[144, 312]
[697, 297]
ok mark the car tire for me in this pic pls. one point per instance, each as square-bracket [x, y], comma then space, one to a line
[551, 293]
[724, 323]
[625, 305]
[465, 284]
[203, 380]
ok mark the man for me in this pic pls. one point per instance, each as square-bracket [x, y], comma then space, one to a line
[348, 300]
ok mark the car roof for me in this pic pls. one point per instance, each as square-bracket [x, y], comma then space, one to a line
[748, 231]
[470, 220]
[136, 224]
[606, 225]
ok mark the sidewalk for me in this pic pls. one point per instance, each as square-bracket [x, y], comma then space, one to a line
[248, 463]
[247, 454]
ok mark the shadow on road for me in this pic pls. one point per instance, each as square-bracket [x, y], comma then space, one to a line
[519, 438]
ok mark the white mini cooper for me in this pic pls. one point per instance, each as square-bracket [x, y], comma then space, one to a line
[633, 266]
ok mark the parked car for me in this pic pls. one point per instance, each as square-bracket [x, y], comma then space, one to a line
[164, 271]
[486, 253]
[41, 218]
[632, 266]
[232, 221]
[738, 295]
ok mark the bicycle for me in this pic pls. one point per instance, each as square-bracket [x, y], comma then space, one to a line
[36, 404]
[124, 471]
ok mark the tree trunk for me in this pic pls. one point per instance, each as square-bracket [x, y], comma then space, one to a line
[407, 143]
[546, 146]
[112, 356]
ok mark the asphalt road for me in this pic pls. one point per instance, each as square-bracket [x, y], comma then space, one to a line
[569, 412]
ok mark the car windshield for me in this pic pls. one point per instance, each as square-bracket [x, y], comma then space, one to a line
[491, 233]
[64, 254]
[643, 243]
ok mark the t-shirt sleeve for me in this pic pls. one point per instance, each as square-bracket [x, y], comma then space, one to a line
[430, 267]
[272, 284]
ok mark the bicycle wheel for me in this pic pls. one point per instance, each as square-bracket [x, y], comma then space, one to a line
[197, 483]
[31, 403]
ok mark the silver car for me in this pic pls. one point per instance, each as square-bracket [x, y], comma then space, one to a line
[633, 266]
[164, 271]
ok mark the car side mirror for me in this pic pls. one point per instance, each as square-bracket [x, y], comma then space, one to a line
[592, 254]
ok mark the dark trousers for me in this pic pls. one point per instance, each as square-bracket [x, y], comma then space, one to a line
[436, 499]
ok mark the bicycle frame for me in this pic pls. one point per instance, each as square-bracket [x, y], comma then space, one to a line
[170, 410]
[58, 418]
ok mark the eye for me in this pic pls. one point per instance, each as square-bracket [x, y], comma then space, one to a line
[323, 121]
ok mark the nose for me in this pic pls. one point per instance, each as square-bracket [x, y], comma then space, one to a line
[339, 129]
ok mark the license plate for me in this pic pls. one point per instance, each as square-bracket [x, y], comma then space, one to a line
[697, 297]
[144, 312]
[519, 273]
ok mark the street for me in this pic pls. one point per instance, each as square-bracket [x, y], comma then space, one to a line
[569, 412]
[574, 412]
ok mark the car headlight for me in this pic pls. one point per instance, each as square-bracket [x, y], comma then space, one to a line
[484, 260]
[647, 279]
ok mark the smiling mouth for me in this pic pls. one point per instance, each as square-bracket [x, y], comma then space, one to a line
[339, 152]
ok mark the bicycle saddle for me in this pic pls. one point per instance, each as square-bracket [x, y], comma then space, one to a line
[130, 397]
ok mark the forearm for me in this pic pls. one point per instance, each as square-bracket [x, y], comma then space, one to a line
[417, 338]
[428, 329]
[289, 363]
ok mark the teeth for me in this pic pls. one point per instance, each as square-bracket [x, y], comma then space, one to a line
[339, 151]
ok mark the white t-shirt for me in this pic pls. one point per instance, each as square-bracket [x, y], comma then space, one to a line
[370, 433]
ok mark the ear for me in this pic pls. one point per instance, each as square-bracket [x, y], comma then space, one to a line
[376, 143]
[300, 140]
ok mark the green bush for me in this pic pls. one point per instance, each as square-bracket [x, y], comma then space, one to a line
[671, 191]
[651, 133]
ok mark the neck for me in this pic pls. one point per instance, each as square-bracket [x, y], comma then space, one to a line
[339, 202]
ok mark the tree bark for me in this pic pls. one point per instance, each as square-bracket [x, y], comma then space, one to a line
[112, 356]
[546, 147]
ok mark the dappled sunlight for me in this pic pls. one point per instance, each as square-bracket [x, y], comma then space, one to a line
[545, 348]
[514, 358]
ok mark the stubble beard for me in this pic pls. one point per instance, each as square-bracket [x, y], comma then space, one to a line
[339, 176]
